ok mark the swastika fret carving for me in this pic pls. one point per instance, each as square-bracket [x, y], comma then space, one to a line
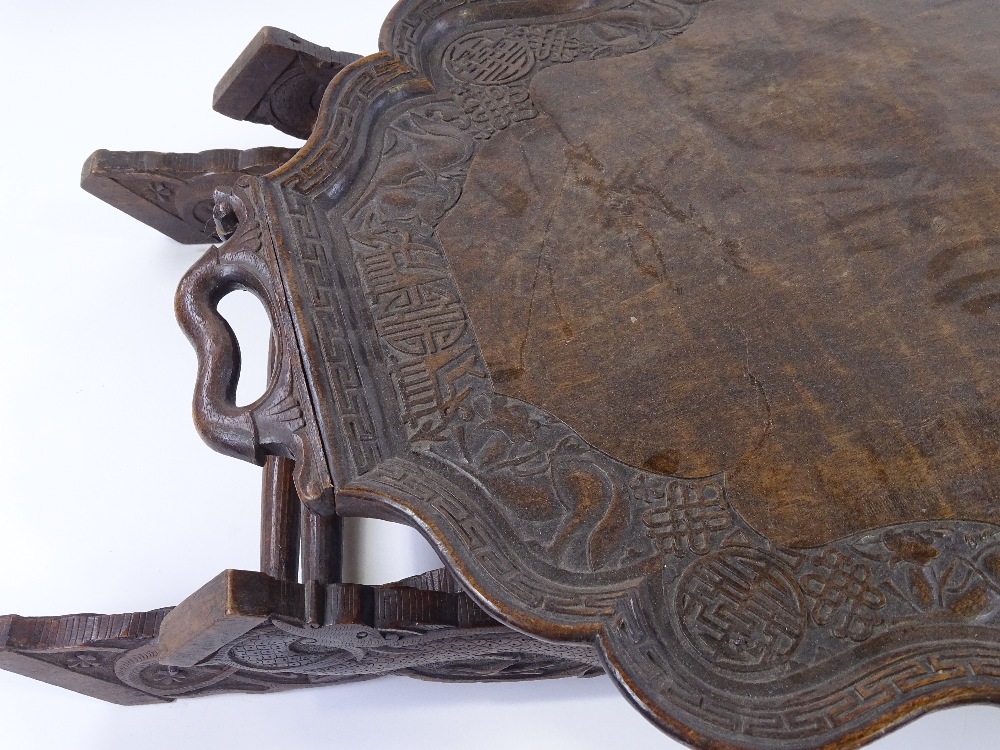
[351, 402]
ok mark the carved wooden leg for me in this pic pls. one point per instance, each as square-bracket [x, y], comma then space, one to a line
[174, 193]
[245, 632]
[280, 513]
[321, 554]
[288, 528]
[279, 80]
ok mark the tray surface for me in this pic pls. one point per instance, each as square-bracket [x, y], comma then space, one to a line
[767, 248]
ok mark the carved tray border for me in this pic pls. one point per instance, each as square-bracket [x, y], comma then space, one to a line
[721, 637]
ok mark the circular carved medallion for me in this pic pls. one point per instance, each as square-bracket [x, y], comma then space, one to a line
[141, 669]
[740, 610]
[477, 58]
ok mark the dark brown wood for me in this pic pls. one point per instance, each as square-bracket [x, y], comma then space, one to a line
[279, 80]
[244, 632]
[723, 418]
[275, 424]
[280, 521]
[231, 604]
[825, 299]
[174, 193]
[321, 547]
[75, 652]
[671, 324]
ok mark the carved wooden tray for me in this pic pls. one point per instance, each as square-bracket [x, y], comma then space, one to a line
[673, 326]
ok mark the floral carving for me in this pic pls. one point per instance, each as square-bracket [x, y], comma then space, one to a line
[166, 676]
[84, 660]
[935, 571]
[497, 434]
[161, 191]
[922, 570]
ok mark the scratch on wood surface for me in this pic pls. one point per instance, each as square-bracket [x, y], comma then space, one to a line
[761, 393]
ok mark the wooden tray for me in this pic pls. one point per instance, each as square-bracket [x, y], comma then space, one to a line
[671, 325]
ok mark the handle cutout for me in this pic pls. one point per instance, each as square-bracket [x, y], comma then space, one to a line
[252, 326]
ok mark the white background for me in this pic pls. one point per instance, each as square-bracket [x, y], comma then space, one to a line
[110, 503]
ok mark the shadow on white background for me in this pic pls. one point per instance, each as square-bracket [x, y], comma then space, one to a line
[110, 503]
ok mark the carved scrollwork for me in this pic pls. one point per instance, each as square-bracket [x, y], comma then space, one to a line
[423, 627]
[353, 650]
[490, 69]
[141, 670]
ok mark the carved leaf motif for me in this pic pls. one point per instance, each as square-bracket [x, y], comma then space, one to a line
[531, 502]
[588, 495]
[494, 451]
[992, 564]
[610, 536]
[911, 548]
[922, 590]
[441, 150]
[971, 603]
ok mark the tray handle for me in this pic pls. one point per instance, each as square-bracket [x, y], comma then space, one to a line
[281, 422]
[226, 427]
